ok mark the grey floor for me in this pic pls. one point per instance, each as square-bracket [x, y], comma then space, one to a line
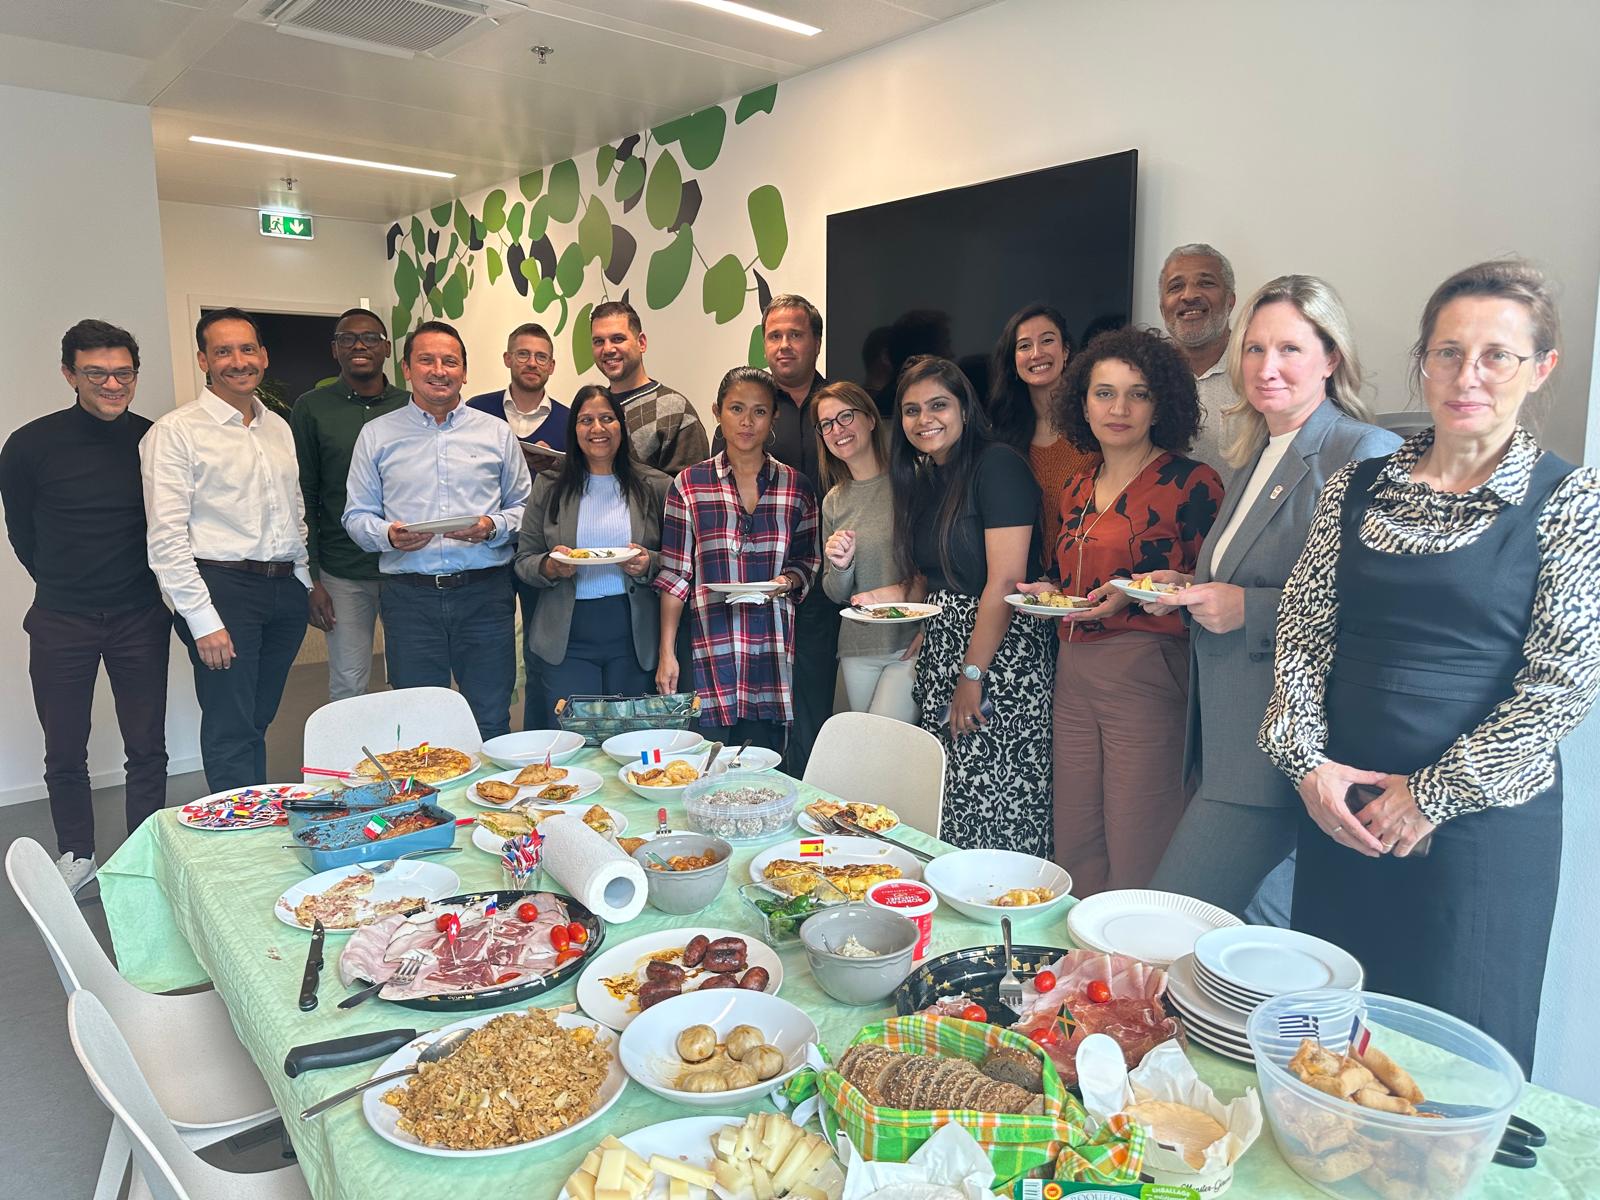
[52, 1127]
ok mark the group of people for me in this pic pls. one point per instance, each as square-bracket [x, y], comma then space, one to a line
[1355, 685]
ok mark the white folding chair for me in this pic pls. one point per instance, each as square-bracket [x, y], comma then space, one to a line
[336, 732]
[869, 759]
[185, 1045]
[166, 1167]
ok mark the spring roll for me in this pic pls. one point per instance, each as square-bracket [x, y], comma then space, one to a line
[1391, 1074]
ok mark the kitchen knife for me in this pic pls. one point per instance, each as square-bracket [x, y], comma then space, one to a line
[341, 1052]
[308, 982]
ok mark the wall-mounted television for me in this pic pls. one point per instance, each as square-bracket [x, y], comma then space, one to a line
[940, 273]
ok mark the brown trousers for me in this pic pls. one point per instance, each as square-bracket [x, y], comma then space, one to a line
[1118, 730]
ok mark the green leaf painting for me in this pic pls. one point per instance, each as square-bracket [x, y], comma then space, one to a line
[407, 284]
[669, 269]
[419, 237]
[531, 185]
[582, 348]
[768, 225]
[664, 192]
[462, 223]
[594, 233]
[441, 213]
[563, 192]
[494, 211]
[538, 218]
[514, 220]
[495, 267]
[530, 269]
[629, 180]
[604, 159]
[569, 270]
[698, 135]
[756, 102]
[455, 293]
[723, 290]
[544, 294]
[757, 357]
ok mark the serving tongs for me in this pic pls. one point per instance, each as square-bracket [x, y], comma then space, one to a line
[843, 824]
[394, 786]
[320, 802]
[1517, 1143]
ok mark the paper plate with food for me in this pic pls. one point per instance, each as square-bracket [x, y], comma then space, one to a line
[1145, 590]
[597, 556]
[1058, 605]
[540, 1076]
[535, 784]
[618, 985]
[347, 897]
[495, 828]
[898, 612]
[243, 808]
[874, 817]
[426, 763]
[851, 864]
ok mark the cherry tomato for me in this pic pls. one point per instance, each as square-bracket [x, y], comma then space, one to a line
[527, 912]
[560, 938]
[568, 955]
[1099, 991]
[974, 1012]
[577, 933]
[1046, 1035]
[1044, 981]
[507, 977]
[447, 922]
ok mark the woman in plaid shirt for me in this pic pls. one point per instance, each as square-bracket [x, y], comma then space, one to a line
[739, 517]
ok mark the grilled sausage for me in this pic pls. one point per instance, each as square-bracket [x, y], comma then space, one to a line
[755, 979]
[717, 981]
[695, 950]
[724, 960]
[656, 991]
[663, 972]
[728, 943]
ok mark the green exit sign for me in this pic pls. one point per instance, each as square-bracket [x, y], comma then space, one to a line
[286, 225]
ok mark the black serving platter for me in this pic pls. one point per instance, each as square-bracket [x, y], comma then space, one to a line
[976, 971]
[512, 993]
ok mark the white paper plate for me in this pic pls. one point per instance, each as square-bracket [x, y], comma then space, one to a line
[764, 587]
[190, 815]
[384, 1118]
[1155, 927]
[1144, 595]
[489, 842]
[628, 958]
[588, 783]
[1026, 604]
[839, 852]
[1261, 958]
[687, 1139]
[442, 525]
[610, 556]
[918, 612]
[413, 877]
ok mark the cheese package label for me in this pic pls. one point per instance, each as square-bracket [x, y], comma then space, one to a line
[1056, 1189]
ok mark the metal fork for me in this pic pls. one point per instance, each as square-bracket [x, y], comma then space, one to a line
[410, 963]
[383, 868]
[1010, 985]
[850, 829]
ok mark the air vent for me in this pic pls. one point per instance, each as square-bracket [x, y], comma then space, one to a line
[403, 28]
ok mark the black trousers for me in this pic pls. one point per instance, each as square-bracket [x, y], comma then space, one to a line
[64, 655]
[534, 715]
[266, 618]
[766, 734]
[816, 675]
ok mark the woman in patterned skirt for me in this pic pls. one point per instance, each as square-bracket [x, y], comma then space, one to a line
[966, 511]
[1438, 638]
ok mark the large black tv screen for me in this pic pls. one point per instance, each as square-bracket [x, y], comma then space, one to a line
[941, 273]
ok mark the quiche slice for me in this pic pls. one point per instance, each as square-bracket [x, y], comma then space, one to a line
[853, 879]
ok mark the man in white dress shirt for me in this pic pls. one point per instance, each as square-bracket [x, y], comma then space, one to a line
[227, 543]
[1197, 298]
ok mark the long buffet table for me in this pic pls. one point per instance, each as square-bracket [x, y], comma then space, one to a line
[185, 906]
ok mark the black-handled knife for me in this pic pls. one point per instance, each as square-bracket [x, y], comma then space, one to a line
[342, 1052]
[308, 982]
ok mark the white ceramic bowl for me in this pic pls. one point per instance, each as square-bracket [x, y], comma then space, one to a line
[649, 1054]
[511, 750]
[626, 747]
[658, 795]
[969, 881]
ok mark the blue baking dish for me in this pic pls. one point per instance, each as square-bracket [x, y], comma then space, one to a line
[339, 842]
[364, 799]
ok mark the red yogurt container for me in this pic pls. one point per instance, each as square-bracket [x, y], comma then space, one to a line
[910, 899]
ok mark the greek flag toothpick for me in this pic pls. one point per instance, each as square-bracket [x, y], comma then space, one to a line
[1298, 1025]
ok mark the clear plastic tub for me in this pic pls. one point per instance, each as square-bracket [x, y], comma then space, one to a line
[1349, 1151]
[744, 806]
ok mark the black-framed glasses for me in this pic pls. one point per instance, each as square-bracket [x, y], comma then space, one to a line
[347, 341]
[527, 356]
[842, 421]
[1495, 365]
[99, 375]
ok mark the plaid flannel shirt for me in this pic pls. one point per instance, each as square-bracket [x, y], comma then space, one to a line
[743, 654]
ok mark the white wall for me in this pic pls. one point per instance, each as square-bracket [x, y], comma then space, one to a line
[80, 223]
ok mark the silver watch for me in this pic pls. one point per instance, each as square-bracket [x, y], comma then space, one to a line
[973, 673]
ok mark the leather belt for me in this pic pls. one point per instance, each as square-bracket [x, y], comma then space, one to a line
[441, 582]
[273, 570]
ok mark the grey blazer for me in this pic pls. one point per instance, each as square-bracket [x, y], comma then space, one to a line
[552, 616]
[1230, 674]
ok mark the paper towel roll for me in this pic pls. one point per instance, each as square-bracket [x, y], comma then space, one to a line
[593, 870]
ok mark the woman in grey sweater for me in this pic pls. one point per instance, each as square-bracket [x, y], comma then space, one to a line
[878, 662]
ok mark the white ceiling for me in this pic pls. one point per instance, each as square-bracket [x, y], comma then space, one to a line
[486, 111]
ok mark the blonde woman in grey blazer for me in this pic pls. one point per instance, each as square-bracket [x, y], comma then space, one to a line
[596, 629]
[1300, 419]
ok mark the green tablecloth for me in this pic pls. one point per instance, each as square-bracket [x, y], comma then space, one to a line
[186, 905]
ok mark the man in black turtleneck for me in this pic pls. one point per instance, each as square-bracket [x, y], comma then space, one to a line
[74, 507]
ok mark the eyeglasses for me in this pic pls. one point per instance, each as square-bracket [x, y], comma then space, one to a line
[527, 356]
[98, 375]
[1445, 364]
[347, 341]
[842, 421]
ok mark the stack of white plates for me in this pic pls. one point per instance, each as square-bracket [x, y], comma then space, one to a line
[1216, 988]
[1154, 927]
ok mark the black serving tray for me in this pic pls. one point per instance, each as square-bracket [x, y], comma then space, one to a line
[976, 971]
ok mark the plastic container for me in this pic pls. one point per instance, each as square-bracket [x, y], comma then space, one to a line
[742, 806]
[779, 917]
[340, 842]
[1345, 1150]
[912, 899]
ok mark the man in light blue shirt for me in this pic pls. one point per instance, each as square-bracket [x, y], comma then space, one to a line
[447, 602]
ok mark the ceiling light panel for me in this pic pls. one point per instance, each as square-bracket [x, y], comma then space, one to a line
[315, 157]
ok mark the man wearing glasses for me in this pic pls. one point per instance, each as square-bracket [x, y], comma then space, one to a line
[75, 514]
[345, 582]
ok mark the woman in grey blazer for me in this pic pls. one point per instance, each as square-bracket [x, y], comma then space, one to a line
[596, 629]
[1301, 418]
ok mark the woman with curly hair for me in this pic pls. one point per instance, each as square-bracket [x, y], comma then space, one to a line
[1122, 675]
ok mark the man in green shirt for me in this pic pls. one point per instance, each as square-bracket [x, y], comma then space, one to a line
[345, 580]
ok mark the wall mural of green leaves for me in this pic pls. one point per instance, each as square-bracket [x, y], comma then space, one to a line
[553, 238]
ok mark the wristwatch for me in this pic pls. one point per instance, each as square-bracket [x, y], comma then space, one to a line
[976, 674]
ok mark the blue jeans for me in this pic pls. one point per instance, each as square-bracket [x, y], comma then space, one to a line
[600, 661]
[467, 633]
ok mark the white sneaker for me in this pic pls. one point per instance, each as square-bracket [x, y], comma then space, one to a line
[76, 873]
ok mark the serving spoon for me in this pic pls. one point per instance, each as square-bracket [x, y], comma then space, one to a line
[439, 1048]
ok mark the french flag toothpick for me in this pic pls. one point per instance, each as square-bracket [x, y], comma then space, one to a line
[1360, 1037]
[646, 757]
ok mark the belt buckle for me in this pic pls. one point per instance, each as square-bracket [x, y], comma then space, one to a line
[440, 582]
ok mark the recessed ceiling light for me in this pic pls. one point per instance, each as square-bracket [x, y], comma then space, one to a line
[755, 14]
[327, 158]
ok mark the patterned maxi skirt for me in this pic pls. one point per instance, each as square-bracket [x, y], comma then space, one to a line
[997, 778]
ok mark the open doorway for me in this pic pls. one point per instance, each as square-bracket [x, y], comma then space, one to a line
[298, 354]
